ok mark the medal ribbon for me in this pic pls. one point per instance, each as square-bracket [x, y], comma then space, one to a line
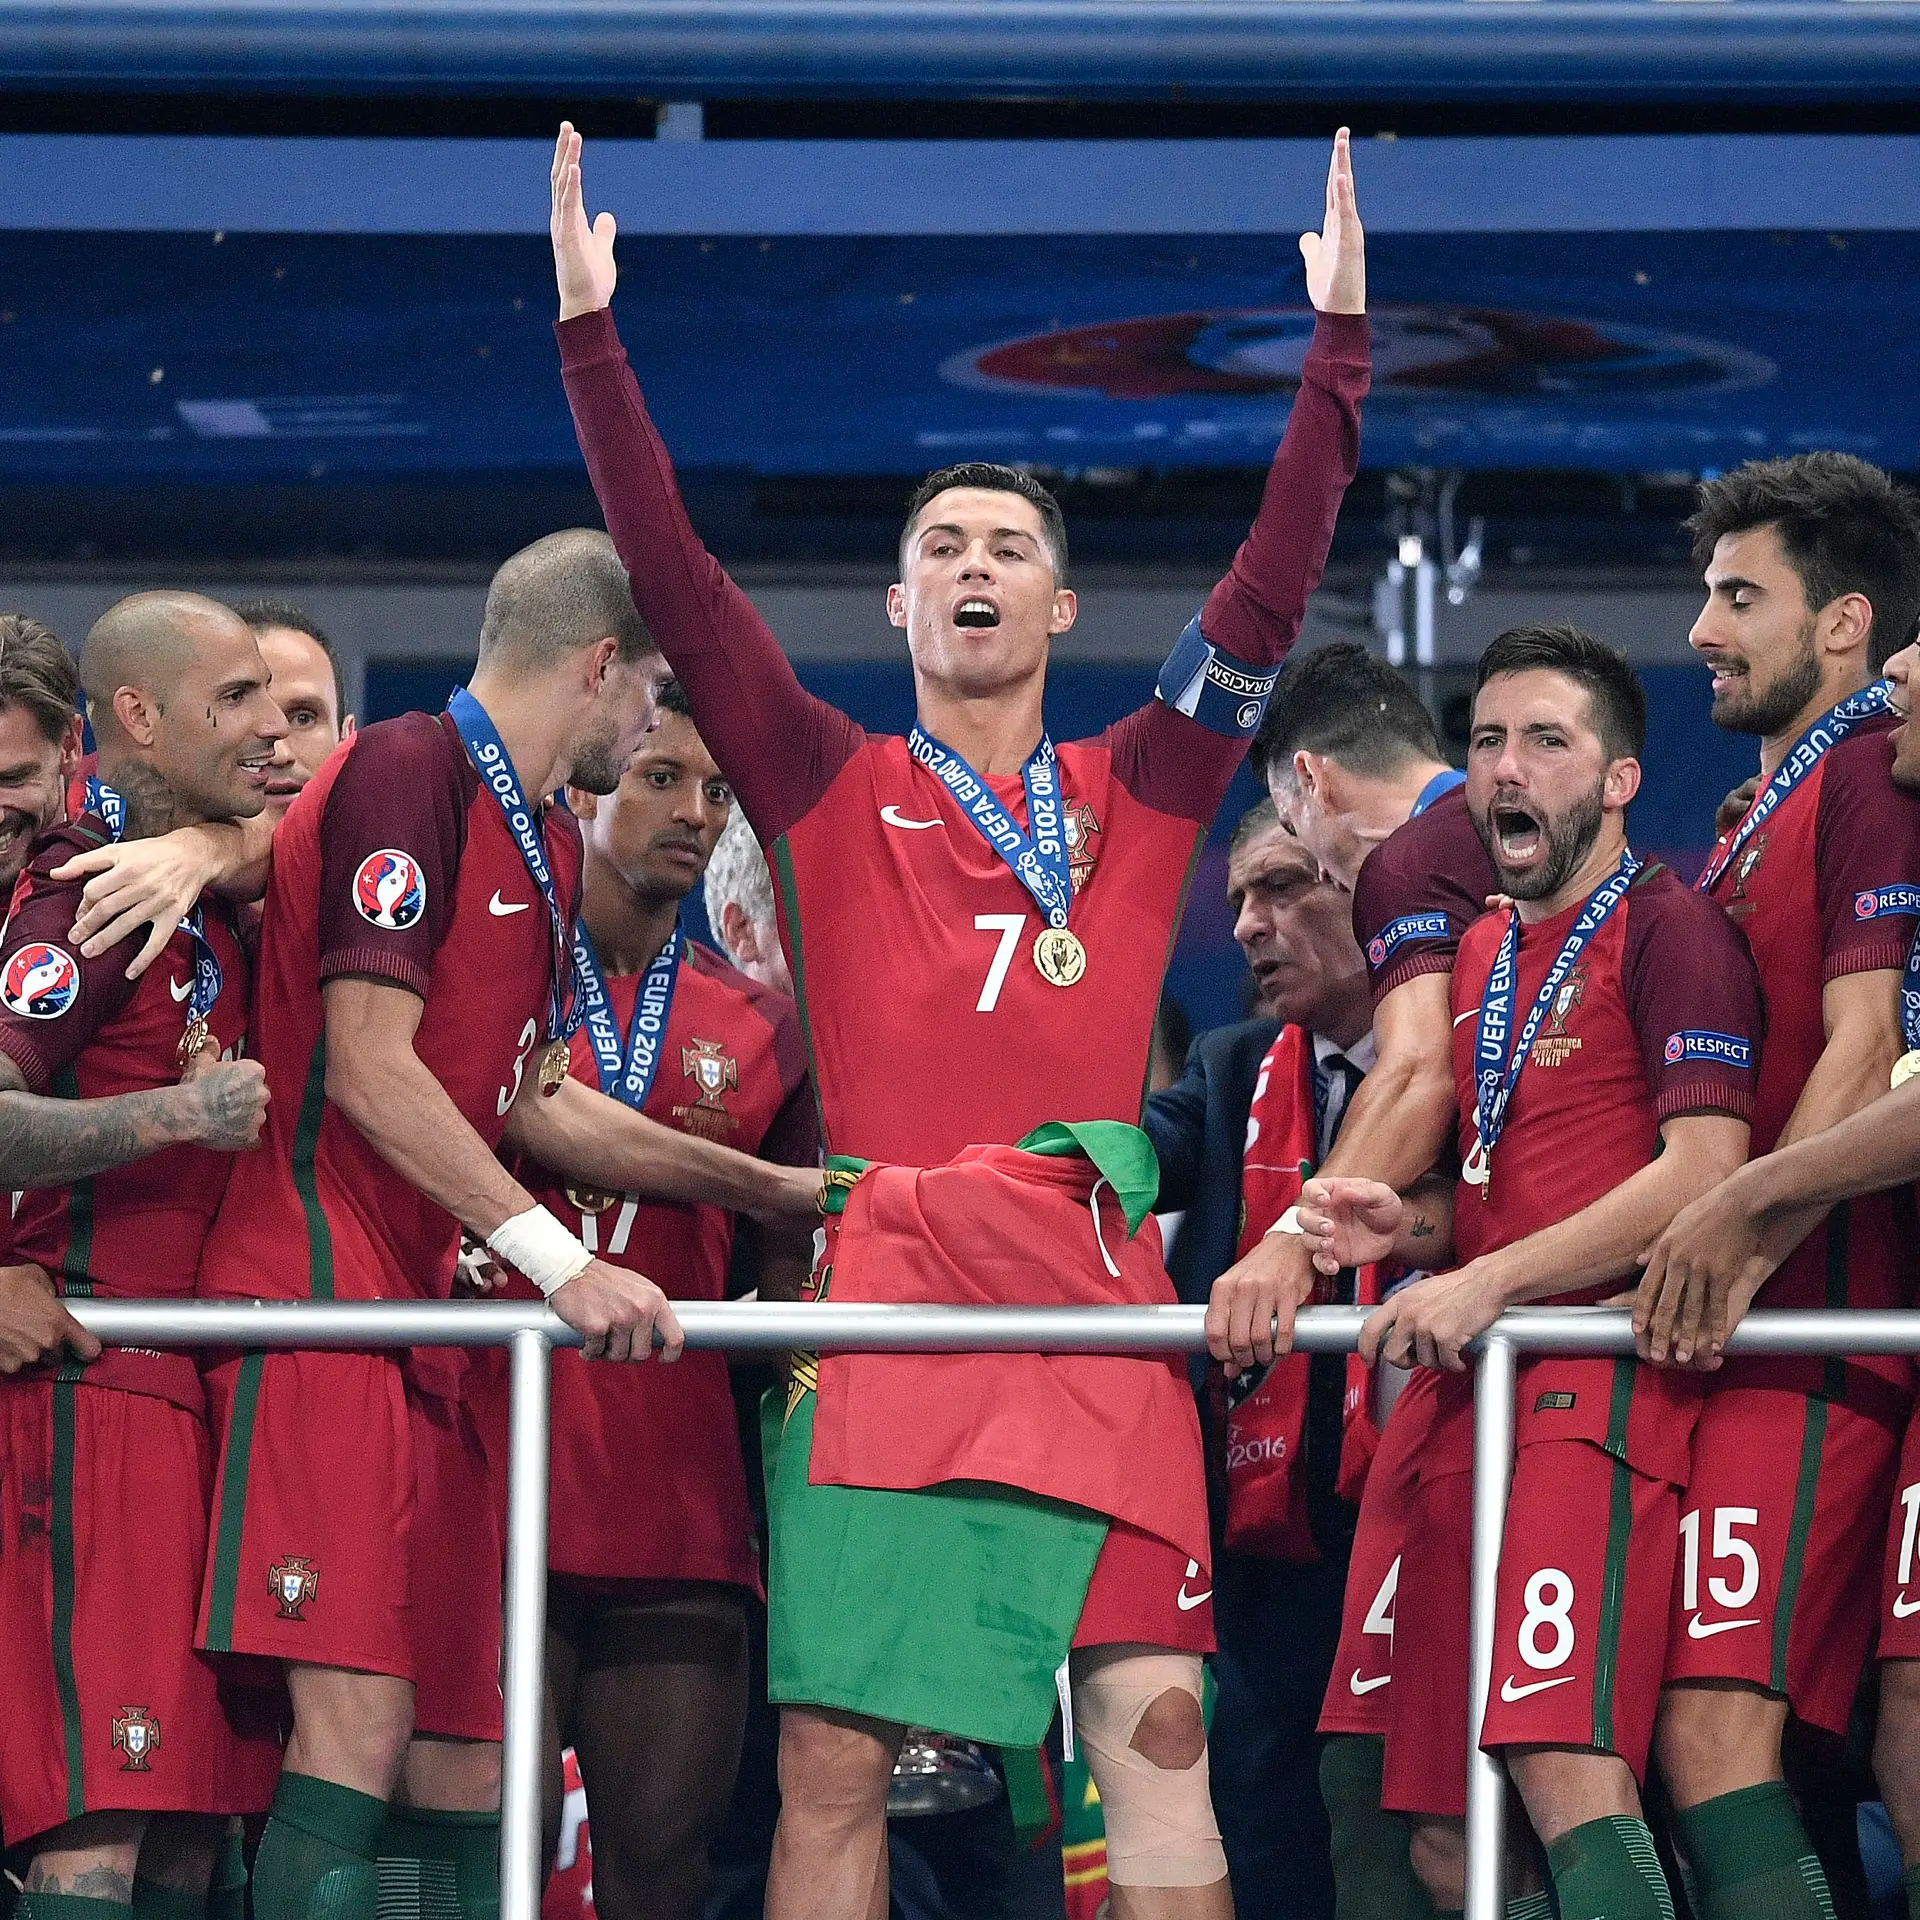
[1910, 995]
[112, 808]
[627, 1067]
[565, 1006]
[1038, 858]
[1807, 752]
[1497, 1071]
[1437, 788]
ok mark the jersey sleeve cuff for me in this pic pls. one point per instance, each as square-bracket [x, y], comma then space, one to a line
[371, 963]
[1342, 336]
[26, 1056]
[1883, 954]
[1704, 1096]
[1411, 968]
[588, 339]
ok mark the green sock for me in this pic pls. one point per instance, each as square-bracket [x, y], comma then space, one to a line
[1530, 1906]
[1373, 1879]
[1751, 1857]
[1607, 1870]
[1911, 1881]
[316, 1857]
[66, 1906]
[151, 1901]
[436, 1865]
[227, 1892]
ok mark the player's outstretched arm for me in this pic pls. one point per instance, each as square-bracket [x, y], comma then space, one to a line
[777, 744]
[387, 1091]
[154, 882]
[584, 1136]
[47, 1142]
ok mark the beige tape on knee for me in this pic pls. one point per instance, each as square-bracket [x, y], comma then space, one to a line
[1160, 1826]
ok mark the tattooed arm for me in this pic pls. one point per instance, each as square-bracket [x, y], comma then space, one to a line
[52, 1143]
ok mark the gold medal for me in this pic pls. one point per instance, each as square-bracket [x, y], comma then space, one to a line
[1906, 1067]
[195, 1041]
[554, 1066]
[1059, 956]
[591, 1199]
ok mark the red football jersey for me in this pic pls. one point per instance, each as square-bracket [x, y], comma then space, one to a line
[394, 864]
[1419, 891]
[1819, 892]
[732, 1069]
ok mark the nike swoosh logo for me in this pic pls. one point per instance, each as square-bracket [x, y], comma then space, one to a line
[1357, 1685]
[1461, 1019]
[1186, 1601]
[180, 989]
[895, 818]
[1902, 1606]
[1509, 1692]
[501, 908]
[1697, 1631]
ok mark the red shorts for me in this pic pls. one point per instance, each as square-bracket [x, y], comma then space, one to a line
[1783, 1569]
[1361, 1687]
[1147, 1591]
[103, 1522]
[1900, 1577]
[354, 1527]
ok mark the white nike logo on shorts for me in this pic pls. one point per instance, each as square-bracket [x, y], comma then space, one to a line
[895, 818]
[180, 989]
[1510, 1693]
[1902, 1606]
[1357, 1685]
[501, 908]
[1696, 1630]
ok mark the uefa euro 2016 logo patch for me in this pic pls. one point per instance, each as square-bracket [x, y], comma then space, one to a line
[40, 982]
[390, 891]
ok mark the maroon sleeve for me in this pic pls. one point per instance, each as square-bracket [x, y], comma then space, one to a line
[61, 999]
[1419, 890]
[395, 820]
[778, 746]
[1693, 995]
[1168, 761]
[1866, 856]
[793, 1138]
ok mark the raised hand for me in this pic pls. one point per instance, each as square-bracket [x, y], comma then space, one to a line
[582, 253]
[619, 1312]
[1336, 256]
[228, 1099]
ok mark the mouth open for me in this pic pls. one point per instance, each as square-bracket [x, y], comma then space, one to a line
[1725, 671]
[976, 613]
[1518, 835]
[254, 769]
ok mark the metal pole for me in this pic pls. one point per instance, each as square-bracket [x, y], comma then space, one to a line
[1493, 1395]
[523, 1861]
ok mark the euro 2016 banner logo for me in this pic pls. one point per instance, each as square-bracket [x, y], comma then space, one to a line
[389, 890]
[40, 982]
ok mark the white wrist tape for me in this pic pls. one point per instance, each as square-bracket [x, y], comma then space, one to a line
[541, 1248]
[1289, 1222]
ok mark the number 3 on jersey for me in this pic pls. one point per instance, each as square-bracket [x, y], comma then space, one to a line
[1009, 926]
[508, 1094]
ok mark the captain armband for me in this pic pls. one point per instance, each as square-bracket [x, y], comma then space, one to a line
[541, 1248]
[1224, 694]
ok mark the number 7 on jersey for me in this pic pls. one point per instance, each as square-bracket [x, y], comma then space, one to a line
[1009, 926]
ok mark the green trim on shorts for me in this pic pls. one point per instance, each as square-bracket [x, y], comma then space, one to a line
[1613, 1586]
[1806, 1491]
[65, 1411]
[306, 1143]
[229, 1521]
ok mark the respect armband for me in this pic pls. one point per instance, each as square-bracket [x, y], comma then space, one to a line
[1224, 694]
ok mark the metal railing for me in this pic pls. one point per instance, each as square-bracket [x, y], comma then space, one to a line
[531, 1332]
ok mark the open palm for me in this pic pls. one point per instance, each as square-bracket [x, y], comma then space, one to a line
[582, 252]
[1336, 256]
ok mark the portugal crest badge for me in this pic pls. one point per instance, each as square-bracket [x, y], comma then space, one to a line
[293, 1582]
[136, 1733]
[712, 1069]
[1082, 832]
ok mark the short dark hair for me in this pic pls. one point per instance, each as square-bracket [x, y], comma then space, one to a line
[38, 675]
[671, 697]
[1348, 704]
[1844, 525]
[565, 591]
[1613, 689]
[1262, 817]
[996, 479]
[264, 615]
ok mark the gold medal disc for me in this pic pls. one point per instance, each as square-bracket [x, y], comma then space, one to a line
[1906, 1067]
[554, 1064]
[591, 1199]
[195, 1041]
[1059, 957]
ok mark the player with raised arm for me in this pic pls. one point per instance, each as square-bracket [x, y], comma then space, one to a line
[1604, 1044]
[1813, 577]
[112, 1717]
[416, 987]
[968, 973]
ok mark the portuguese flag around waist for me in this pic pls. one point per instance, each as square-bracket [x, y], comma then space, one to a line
[1051, 1222]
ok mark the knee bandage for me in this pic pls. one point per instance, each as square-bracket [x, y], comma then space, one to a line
[1160, 1826]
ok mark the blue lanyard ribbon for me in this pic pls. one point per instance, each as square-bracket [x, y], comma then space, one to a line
[1910, 994]
[566, 1005]
[111, 806]
[627, 1067]
[1038, 857]
[1807, 752]
[1499, 1059]
[1437, 788]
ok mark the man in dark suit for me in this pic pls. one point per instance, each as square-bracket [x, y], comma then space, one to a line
[1277, 1621]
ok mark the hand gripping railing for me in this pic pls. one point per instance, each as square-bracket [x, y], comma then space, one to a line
[531, 1332]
